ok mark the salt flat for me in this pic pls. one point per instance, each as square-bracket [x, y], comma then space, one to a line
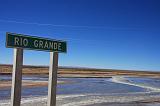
[91, 100]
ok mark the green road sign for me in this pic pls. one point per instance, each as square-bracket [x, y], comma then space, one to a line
[36, 43]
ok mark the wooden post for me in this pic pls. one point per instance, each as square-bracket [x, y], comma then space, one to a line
[17, 77]
[52, 83]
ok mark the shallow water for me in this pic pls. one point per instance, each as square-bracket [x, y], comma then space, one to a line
[154, 82]
[103, 86]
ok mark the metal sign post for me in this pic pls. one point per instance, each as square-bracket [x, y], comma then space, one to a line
[20, 42]
[17, 77]
[52, 83]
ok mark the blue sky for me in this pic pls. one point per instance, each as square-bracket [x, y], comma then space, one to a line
[117, 34]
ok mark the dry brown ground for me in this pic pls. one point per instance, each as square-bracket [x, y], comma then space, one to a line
[79, 72]
[7, 84]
